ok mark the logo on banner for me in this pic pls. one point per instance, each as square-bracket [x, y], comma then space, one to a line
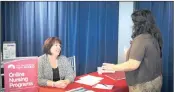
[11, 66]
[24, 66]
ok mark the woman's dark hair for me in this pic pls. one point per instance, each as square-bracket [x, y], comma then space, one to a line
[49, 43]
[144, 22]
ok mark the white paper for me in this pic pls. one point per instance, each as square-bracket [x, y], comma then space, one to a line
[104, 86]
[88, 82]
[90, 77]
[79, 89]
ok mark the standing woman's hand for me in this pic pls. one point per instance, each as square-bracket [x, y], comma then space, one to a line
[108, 67]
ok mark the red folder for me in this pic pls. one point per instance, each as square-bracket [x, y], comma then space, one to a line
[115, 76]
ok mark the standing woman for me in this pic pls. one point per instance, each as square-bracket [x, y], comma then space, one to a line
[143, 68]
[54, 70]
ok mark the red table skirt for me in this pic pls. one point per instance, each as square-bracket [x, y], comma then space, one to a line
[119, 85]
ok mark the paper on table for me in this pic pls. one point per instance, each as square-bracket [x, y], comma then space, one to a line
[88, 82]
[79, 89]
[104, 86]
[89, 91]
[90, 77]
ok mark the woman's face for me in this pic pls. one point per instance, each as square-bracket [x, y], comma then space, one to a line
[55, 49]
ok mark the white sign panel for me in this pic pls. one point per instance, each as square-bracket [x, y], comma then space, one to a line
[9, 50]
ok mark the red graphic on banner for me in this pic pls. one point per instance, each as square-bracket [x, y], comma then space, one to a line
[21, 75]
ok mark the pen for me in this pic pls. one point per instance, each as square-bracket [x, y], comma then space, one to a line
[104, 85]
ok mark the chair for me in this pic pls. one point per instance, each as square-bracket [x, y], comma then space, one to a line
[73, 62]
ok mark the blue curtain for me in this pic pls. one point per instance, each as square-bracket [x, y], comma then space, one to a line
[163, 12]
[88, 30]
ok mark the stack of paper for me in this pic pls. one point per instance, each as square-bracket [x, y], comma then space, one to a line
[89, 80]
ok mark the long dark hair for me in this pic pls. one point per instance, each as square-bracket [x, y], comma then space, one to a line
[144, 22]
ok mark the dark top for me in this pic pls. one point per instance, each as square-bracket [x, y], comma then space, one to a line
[145, 49]
[55, 74]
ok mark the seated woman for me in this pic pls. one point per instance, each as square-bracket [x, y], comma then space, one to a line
[54, 70]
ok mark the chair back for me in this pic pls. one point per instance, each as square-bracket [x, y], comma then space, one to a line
[72, 60]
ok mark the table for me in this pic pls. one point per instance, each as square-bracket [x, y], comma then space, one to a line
[119, 85]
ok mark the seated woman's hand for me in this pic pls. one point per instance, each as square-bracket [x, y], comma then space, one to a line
[61, 84]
